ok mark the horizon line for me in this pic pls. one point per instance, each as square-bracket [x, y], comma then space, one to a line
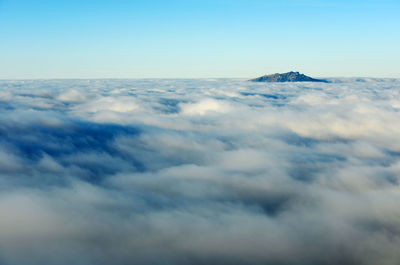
[169, 78]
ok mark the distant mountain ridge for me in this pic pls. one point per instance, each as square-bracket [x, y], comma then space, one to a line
[287, 77]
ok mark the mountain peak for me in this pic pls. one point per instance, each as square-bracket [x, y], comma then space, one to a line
[286, 77]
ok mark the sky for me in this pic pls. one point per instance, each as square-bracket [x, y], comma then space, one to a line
[198, 39]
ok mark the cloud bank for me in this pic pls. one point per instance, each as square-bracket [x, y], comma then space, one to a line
[199, 172]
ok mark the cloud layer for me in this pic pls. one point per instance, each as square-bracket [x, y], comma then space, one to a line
[199, 172]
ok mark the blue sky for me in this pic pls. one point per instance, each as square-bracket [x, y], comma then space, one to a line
[177, 38]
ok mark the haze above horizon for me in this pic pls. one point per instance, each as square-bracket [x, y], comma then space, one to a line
[198, 39]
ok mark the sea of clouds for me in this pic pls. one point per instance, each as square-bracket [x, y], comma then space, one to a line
[199, 172]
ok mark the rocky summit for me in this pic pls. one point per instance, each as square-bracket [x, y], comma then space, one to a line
[287, 77]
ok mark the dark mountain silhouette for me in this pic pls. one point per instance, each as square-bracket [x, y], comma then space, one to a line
[287, 77]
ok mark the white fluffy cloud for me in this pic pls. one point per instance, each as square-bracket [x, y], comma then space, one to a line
[199, 172]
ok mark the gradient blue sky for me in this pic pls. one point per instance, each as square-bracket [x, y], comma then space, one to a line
[208, 38]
